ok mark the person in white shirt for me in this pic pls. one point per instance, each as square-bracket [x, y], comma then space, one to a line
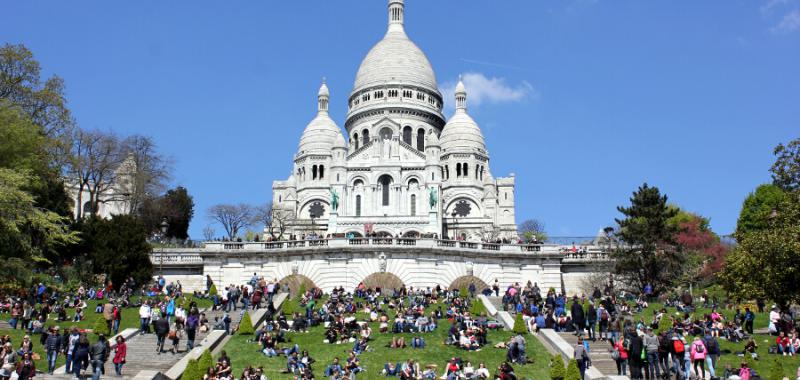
[482, 372]
[144, 316]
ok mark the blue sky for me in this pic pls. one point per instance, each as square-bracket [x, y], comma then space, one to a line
[583, 100]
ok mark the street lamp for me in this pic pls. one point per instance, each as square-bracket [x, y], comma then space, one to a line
[164, 227]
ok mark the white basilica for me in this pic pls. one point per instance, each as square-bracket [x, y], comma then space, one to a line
[402, 169]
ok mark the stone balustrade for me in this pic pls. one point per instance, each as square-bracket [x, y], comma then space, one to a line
[379, 242]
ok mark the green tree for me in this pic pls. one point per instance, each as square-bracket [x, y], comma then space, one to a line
[665, 324]
[650, 256]
[100, 326]
[205, 361]
[786, 169]
[118, 247]
[246, 325]
[765, 262]
[757, 209]
[557, 370]
[176, 205]
[27, 232]
[191, 372]
[573, 372]
[519, 325]
[21, 84]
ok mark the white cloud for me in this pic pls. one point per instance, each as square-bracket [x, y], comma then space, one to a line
[770, 5]
[482, 89]
[789, 23]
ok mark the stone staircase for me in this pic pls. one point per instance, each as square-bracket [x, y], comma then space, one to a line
[141, 356]
[599, 352]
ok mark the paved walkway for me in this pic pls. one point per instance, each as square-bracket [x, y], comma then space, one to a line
[141, 356]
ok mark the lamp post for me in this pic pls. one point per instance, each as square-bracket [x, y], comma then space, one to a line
[164, 228]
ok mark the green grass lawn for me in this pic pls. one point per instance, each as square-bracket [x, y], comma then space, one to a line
[130, 319]
[244, 353]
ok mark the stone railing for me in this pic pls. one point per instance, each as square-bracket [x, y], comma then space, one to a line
[378, 242]
[175, 258]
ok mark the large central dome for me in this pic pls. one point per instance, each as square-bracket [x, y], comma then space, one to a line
[395, 59]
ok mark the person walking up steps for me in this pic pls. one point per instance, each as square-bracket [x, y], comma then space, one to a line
[120, 351]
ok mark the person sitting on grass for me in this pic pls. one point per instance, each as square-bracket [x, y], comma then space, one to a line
[409, 370]
[353, 364]
[211, 374]
[268, 345]
[224, 370]
[782, 341]
[333, 368]
[306, 359]
[750, 348]
[391, 369]
[452, 370]
[331, 335]
[397, 342]
[417, 342]
[360, 346]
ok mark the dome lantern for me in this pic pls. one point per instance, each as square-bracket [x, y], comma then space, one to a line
[396, 10]
[322, 97]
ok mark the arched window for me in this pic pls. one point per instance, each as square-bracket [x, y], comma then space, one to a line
[477, 170]
[458, 170]
[321, 171]
[420, 139]
[358, 183]
[355, 140]
[386, 133]
[407, 131]
[465, 170]
[358, 205]
[365, 136]
[413, 183]
[385, 182]
[413, 205]
[314, 172]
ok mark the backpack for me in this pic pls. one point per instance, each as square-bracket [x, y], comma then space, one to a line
[626, 344]
[699, 348]
[677, 345]
[604, 315]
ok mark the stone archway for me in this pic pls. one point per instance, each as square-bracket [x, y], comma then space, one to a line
[385, 281]
[464, 281]
[295, 281]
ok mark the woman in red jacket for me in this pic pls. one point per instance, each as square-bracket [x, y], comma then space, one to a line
[621, 356]
[119, 354]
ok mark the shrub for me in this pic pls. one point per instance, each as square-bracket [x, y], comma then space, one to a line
[519, 325]
[557, 370]
[246, 325]
[462, 291]
[288, 307]
[192, 371]
[573, 372]
[212, 291]
[665, 324]
[100, 326]
[477, 308]
[204, 362]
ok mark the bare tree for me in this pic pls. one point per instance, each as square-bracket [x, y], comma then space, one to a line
[148, 172]
[280, 221]
[262, 215]
[532, 229]
[92, 167]
[208, 233]
[232, 218]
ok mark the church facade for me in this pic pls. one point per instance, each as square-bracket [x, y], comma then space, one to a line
[400, 168]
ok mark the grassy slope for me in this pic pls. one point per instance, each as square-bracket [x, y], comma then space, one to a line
[244, 353]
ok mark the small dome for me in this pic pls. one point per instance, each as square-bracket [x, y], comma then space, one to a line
[322, 133]
[320, 136]
[461, 132]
